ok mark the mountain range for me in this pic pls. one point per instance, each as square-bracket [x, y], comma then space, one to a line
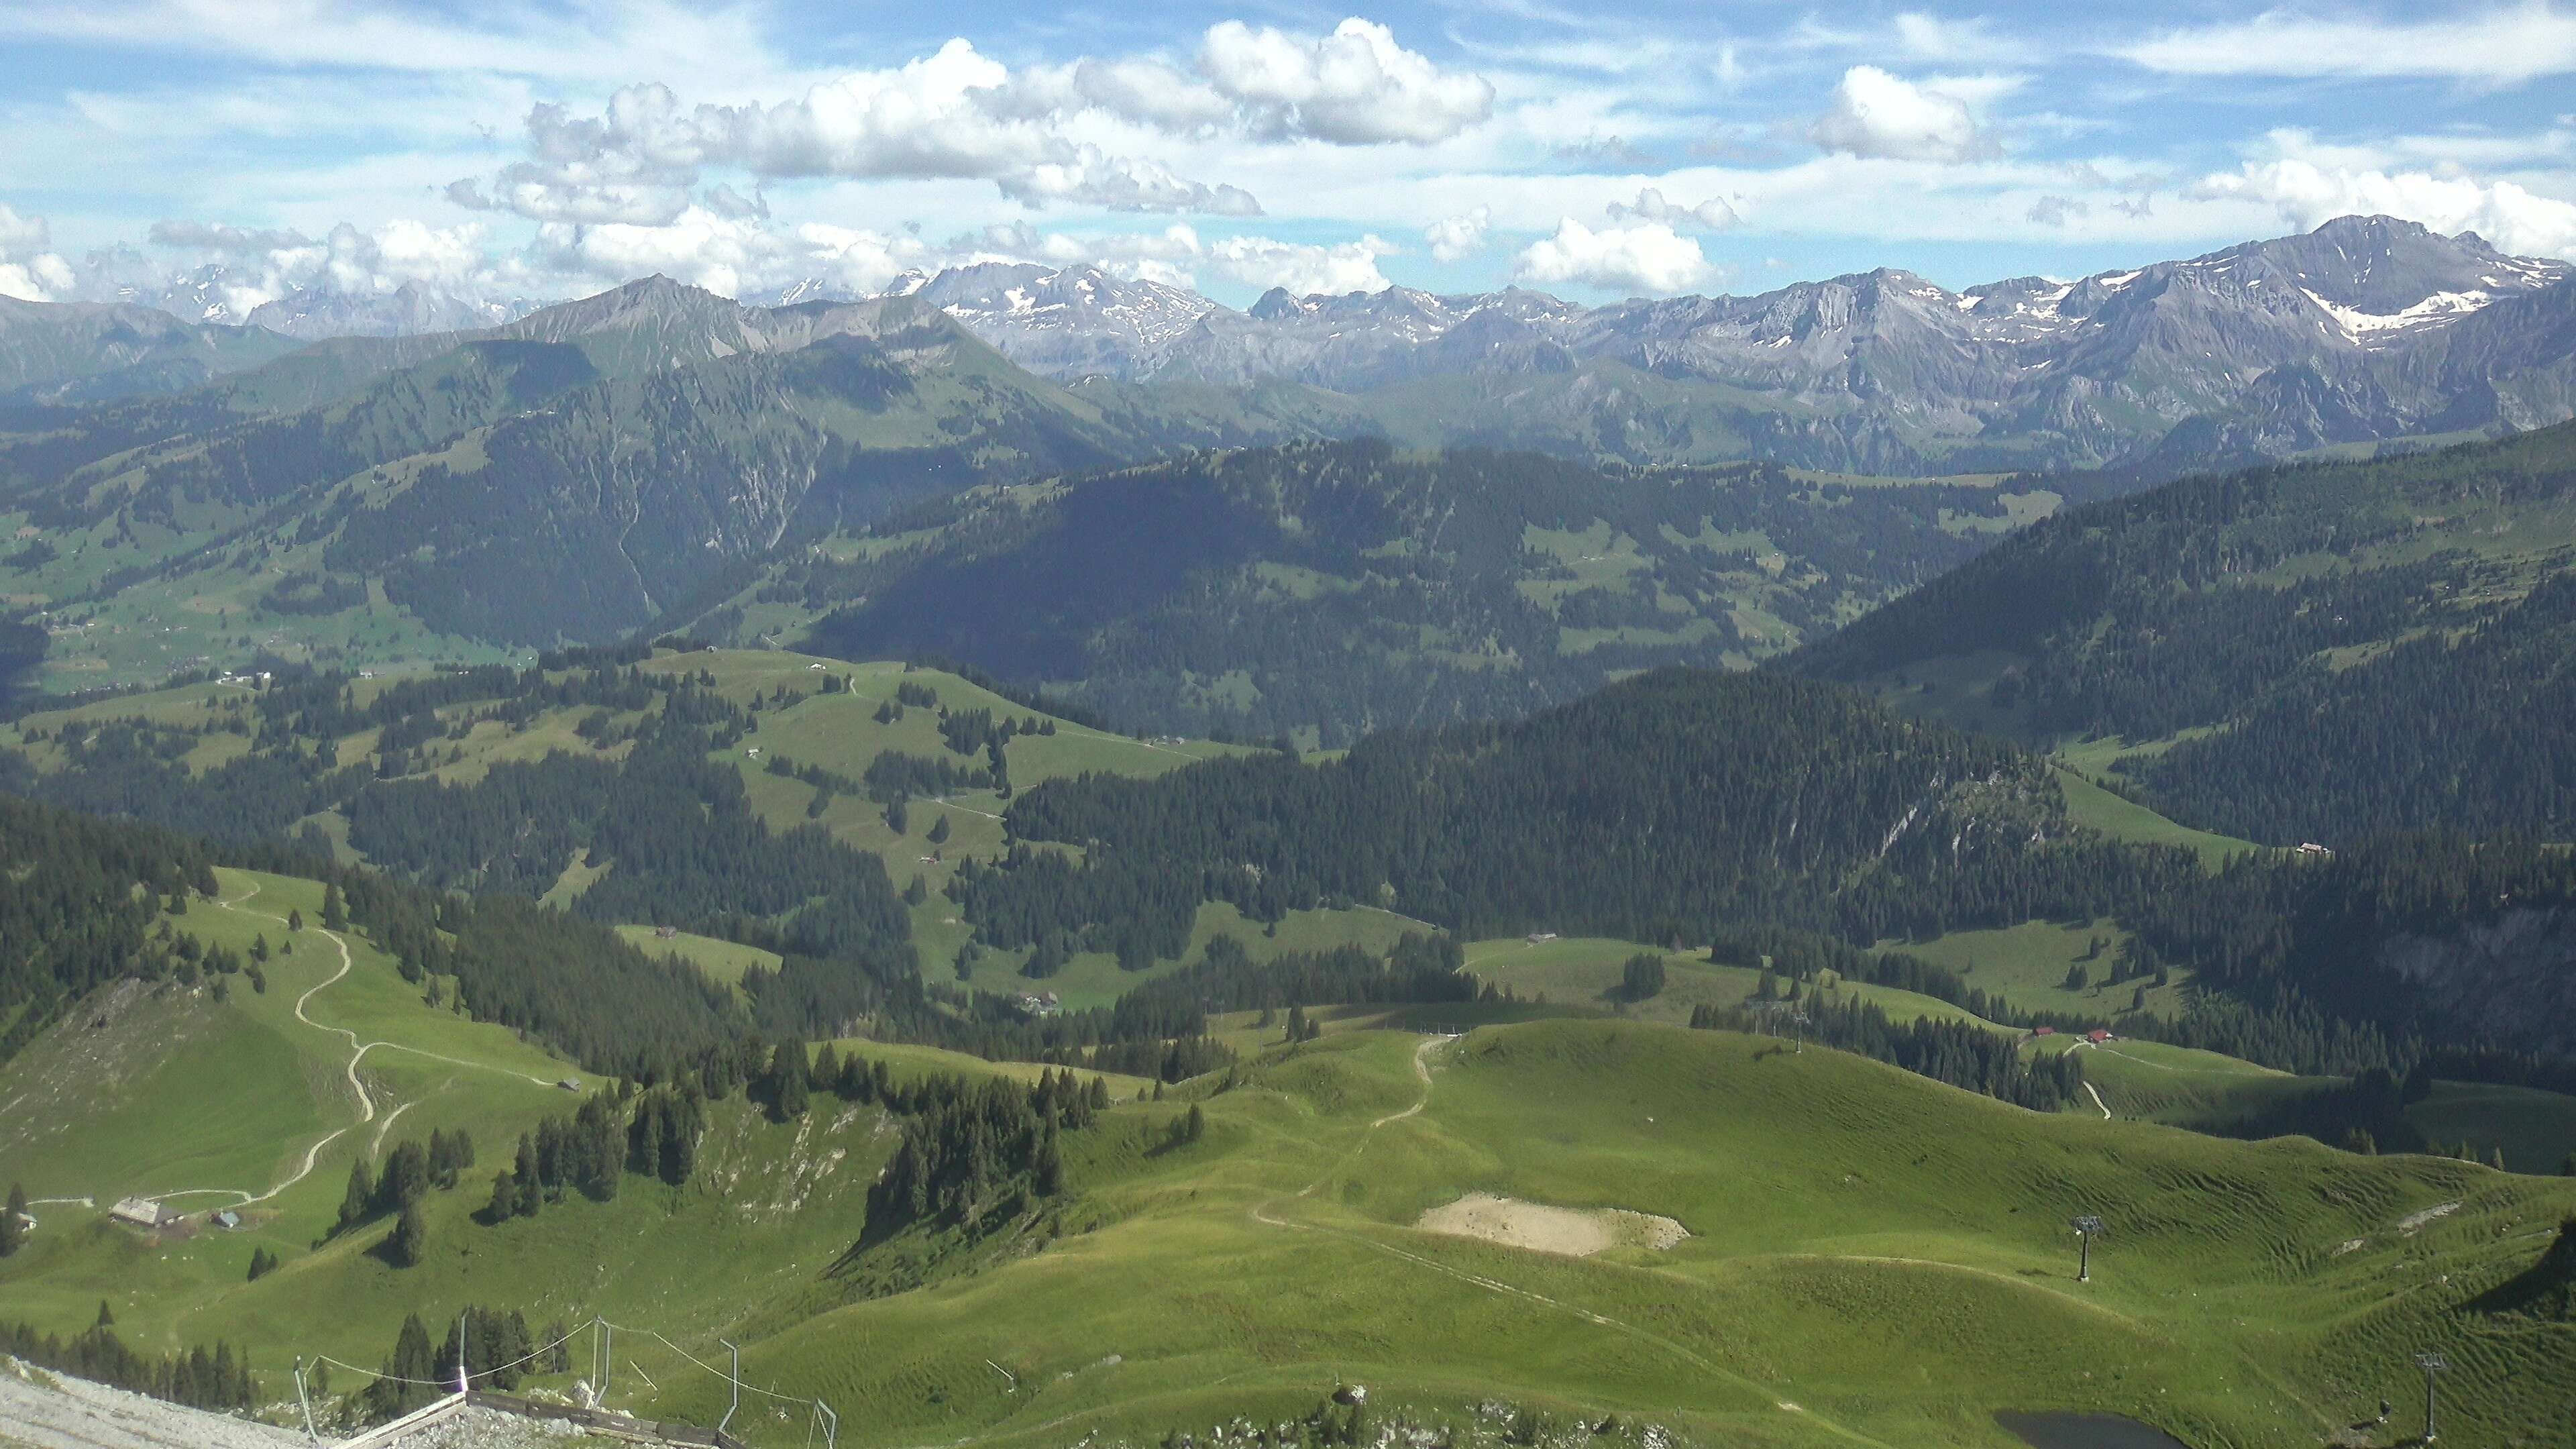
[2367, 330]
[659, 456]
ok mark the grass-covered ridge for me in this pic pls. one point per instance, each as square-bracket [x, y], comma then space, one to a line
[1332, 588]
[1835, 1210]
[1177, 1275]
[2291, 654]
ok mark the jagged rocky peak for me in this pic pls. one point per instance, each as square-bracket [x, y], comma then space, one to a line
[1276, 305]
[414, 309]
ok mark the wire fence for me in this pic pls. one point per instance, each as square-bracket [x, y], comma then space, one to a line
[821, 1423]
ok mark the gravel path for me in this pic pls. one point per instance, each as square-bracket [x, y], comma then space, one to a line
[45, 1411]
[39, 1410]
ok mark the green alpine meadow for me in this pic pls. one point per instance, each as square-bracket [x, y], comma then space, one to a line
[766, 725]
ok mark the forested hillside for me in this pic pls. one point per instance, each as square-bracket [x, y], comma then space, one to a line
[1344, 587]
[1684, 807]
[658, 457]
[2334, 649]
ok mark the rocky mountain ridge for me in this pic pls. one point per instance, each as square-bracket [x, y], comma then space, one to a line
[2368, 329]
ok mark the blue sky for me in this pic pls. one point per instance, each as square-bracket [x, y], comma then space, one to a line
[1594, 150]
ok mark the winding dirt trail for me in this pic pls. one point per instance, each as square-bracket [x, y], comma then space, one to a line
[357, 1054]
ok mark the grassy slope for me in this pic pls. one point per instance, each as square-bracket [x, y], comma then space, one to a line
[836, 732]
[2027, 966]
[1582, 976]
[2537, 1130]
[1883, 1254]
[1829, 1199]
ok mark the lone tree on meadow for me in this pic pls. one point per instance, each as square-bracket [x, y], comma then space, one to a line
[1642, 978]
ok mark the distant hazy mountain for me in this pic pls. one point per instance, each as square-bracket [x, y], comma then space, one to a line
[571, 474]
[84, 352]
[215, 294]
[2364, 330]
[409, 310]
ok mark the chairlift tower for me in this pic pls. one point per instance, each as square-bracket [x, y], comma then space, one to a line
[2433, 1364]
[2085, 1227]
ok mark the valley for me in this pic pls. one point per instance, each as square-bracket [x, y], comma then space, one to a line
[1056, 863]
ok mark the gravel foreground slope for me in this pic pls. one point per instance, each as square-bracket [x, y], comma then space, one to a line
[47, 1411]
[40, 1410]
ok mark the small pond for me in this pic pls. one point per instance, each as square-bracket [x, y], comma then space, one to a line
[2059, 1430]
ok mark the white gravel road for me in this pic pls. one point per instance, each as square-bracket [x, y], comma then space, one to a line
[45, 1411]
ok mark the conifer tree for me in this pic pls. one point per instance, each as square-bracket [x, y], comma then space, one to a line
[294, 919]
[359, 1200]
[1195, 1125]
[531, 1190]
[410, 1240]
[788, 1091]
[335, 911]
[505, 1197]
[13, 1225]
[939, 831]
[1048, 1172]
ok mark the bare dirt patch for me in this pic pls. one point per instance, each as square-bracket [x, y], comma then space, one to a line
[1539, 1228]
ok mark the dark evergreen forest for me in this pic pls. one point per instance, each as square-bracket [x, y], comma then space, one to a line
[1357, 588]
[2370, 658]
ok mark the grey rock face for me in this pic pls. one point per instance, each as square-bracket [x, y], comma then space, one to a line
[2512, 979]
[2365, 329]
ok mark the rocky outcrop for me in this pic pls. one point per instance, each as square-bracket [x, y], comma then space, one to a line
[2511, 980]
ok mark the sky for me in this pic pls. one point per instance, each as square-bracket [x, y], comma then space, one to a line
[1591, 148]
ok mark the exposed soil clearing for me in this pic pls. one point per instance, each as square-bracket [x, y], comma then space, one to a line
[2412, 1221]
[1540, 1228]
[1262, 1213]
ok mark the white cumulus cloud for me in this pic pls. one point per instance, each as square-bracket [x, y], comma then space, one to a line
[1650, 205]
[1878, 115]
[1648, 257]
[252, 266]
[2306, 193]
[1453, 237]
[960, 114]
[1124, 183]
[725, 254]
[1303, 268]
[2501, 43]
[954, 114]
[30, 270]
[1355, 86]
